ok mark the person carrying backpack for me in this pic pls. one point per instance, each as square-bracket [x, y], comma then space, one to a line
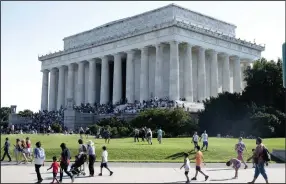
[261, 156]
[40, 156]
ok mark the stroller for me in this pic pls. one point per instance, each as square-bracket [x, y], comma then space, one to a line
[78, 167]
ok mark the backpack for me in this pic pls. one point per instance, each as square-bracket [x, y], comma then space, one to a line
[266, 155]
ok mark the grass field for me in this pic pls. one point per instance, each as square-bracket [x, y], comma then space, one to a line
[125, 150]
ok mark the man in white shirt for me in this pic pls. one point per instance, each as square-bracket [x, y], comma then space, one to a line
[149, 136]
[104, 161]
[195, 140]
[205, 140]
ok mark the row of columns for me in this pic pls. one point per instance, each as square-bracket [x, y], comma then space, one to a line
[57, 92]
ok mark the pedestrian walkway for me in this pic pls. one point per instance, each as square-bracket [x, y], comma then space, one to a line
[144, 173]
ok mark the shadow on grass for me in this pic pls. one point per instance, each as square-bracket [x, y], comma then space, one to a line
[175, 156]
[180, 154]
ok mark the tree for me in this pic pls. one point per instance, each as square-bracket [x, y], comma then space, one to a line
[26, 113]
[265, 84]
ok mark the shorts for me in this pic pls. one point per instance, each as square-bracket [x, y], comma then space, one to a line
[237, 166]
[55, 175]
[186, 172]
[48, 131]
[205, 143]
[239, 156]
[103, 165]
[81, 132]
[195, 143]
[198, 168]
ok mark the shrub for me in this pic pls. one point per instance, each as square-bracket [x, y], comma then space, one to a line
[56, 127]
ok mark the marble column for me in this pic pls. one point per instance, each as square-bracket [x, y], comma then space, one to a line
[80, 84]
[117, 79]
[45, 87]
[52, 95]
[174, 90]
[61, 87]
[214, 73]
[70, 93]
[225, 73]
[91, 81]
[159, 71]
[130, 85]
[236, 75]
[201, 74]
[144, 73]
[188, 73]
[104, 88]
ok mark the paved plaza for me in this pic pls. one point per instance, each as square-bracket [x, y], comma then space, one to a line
[144, 173]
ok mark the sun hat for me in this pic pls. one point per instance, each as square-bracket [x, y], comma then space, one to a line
[90, 143]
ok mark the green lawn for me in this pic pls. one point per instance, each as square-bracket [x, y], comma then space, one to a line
[125, 150]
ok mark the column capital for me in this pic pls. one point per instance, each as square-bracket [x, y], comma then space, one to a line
[202, 49]
[235, 57]
[54, 69]
[103, 58]
[211, 51]
[222, 54]
[91, 60]
[174, 42]
[45, 71]
[118, 54]
[130, 52]
[145, 48]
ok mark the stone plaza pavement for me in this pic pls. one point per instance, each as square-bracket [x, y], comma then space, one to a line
[144, 173]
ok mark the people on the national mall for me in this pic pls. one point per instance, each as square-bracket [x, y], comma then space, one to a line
[6, 148]
[40, 156]
[149, 136]
[187, 166]
[142, 134]
[195, 140]
[106, 135]
[91, 157]
[261, 156]
[81, 132]
[240, 147]
[199, 160]
[159, 135]
[104, 161]
[205, 140]
[236, 165]
[65, 161]
[87, 132]
[136, 134]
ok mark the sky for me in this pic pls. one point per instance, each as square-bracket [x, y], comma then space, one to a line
[29, 29]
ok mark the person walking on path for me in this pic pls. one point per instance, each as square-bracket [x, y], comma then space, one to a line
[104, 161]
[91, 157]
[261, 157]
[187, 166]
[136, 135]
[65, 161]
[199, 160]
[40, 156]
[240, 147]
[6, 148]
[55, 165]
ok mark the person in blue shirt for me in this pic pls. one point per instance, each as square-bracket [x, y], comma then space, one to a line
[6, 150]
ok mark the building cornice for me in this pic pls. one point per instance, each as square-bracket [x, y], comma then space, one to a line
[168, 23]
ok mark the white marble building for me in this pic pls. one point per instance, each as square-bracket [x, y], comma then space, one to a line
[168, 52]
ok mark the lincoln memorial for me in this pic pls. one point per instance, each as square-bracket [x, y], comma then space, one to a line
[168, 52]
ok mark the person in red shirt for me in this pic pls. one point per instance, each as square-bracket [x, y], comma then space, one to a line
[55, 165]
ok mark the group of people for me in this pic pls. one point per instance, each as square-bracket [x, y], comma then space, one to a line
[146, 133]
[260, 157]
[22, 150]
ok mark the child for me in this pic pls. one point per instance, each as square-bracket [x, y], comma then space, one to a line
[55, 165]
[199, 159]
[104, 161]
[236, 165]
[187, 166]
